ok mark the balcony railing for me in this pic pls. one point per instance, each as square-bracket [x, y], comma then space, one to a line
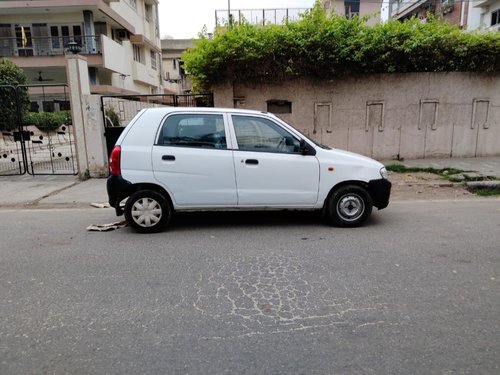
[259, 16]
[48, 46]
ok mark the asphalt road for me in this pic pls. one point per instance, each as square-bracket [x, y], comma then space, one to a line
[416, 291]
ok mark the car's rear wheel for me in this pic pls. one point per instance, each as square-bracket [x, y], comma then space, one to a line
[349, 206]
[148, 211]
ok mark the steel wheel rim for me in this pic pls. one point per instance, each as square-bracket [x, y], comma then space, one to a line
[350, 207]
[146, 212]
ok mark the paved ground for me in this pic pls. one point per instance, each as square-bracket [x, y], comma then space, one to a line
[415, 291]
[69, 191]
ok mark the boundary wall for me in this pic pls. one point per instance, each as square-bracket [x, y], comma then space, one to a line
[385, 116]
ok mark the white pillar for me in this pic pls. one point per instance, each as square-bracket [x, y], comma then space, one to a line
[88, 127]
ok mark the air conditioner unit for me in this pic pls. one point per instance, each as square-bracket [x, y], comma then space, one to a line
[122, 34]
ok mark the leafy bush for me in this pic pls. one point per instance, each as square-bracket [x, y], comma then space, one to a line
[112, 117]
[327, 47]
[47, 121]
[10, 95]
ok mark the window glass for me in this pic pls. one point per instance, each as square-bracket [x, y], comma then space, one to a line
[495, 17]
[203, 130]
[258, 134]
[153, 59]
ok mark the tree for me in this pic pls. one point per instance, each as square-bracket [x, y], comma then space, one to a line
[12, 97]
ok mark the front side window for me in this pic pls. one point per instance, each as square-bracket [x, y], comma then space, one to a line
[194, 130]
[259, 134]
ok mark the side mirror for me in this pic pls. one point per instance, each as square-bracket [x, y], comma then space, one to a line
[304, 150]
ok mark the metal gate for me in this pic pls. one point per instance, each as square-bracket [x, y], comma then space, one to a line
[36, 131]
[118, 110]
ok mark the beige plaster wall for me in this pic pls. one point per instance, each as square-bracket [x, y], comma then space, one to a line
[387, 116]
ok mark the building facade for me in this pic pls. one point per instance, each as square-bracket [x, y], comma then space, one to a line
[454, 12]
[176, 80]
[469, 15]
[484, 15]
[352, 8]
[119, 38]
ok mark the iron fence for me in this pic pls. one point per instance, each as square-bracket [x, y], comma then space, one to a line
[36, 131]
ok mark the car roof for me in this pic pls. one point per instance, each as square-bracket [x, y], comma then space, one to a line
[166, 110]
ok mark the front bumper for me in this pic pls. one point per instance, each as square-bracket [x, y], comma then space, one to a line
[117, 188]
[380, 191]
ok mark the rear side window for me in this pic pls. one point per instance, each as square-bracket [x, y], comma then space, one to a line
[194, 130]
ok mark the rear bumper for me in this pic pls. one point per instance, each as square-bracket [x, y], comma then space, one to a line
[380, 191]
[117, 188]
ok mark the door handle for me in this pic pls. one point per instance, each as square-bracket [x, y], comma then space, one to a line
[168, 157]
[252, 161]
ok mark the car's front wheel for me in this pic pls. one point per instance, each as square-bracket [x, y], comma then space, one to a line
[148, 211]
[349, 206]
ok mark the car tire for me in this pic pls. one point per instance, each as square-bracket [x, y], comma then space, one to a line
[349, 206]
[148, 211]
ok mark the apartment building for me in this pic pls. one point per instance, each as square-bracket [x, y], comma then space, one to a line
[351, 8]
[452, 11]
[484, 15]
[119, 38]
[176, 80]
[469, 15]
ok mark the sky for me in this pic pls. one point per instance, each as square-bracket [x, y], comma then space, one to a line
[184, 19]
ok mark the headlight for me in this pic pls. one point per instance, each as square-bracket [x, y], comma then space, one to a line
[384, 173]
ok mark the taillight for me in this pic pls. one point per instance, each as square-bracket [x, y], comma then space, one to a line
[114, 161]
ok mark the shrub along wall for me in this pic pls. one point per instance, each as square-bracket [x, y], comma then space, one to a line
[329, 47]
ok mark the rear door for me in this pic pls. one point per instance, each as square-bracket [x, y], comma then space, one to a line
[270, 170]
[191, 159]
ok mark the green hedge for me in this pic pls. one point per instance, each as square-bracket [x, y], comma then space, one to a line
[48, 121]
[328, 47]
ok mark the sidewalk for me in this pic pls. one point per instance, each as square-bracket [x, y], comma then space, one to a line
[51, 191]
[68, 191]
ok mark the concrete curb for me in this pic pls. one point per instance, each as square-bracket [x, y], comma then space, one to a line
[473, 186]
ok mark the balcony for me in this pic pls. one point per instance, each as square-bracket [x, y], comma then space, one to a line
[403, 8]
[47, 46]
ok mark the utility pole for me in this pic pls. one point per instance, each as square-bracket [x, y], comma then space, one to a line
[229, 18]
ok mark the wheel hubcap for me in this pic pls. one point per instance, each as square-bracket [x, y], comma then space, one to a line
[146, 212]
[350, 207]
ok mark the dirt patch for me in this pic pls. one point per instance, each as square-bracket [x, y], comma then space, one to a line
[425, 186]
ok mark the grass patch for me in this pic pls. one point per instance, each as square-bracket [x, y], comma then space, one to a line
[487, 192]
[443, 172]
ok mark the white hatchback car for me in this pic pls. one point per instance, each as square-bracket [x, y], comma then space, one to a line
[177, 159]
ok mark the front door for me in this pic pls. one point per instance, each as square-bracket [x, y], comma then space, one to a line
[270, 170]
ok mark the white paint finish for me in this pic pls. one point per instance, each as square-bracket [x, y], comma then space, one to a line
[277, 180]
[197, 177]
